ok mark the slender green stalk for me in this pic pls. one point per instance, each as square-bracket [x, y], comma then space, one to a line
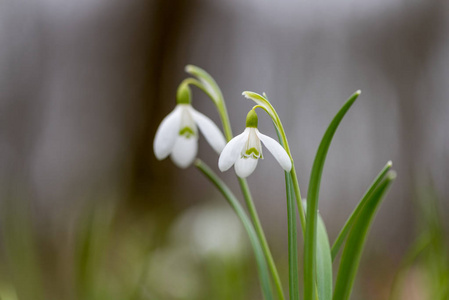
[208, 85]
[293, 273]
[357, 236]
[344, 231]
[302, 215]
[263, 102]
[255, 242]
[260, 233]
[293, 283]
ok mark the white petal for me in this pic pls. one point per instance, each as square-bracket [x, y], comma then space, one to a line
[232, 151]
[277, 150]
[210, 131]
[245, 166]
[184, 151]
[167, 133]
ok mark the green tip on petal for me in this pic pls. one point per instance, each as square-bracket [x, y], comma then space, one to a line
[251, 119]
[183, 95]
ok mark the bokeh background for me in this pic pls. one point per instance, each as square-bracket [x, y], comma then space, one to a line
[89, 213]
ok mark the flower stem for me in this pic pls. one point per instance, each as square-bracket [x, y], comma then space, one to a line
[260, 233]
[263, 103]
[302, 215]
[252, 208]
[208, 86]
[255, 242]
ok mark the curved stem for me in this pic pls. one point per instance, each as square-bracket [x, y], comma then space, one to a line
[266, 105]
[302, 215]
[235, 204]
[224, 117]
[260, 233]
[251, 207]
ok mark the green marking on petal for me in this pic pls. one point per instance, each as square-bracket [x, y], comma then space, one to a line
[251, 151]
[187, 132]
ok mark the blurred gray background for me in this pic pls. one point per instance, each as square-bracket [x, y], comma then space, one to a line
[84, 85]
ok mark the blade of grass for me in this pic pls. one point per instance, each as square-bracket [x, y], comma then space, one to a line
[293, 272]
[323, 262]
[20, 246]
[418, 247]
[92, 236]
[352, 252]
[255, 242]
[312, 201]
[344, 231]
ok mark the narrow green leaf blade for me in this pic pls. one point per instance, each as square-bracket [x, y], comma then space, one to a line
[323, 262]
[312, 201]
[352, 252]
[344, 231]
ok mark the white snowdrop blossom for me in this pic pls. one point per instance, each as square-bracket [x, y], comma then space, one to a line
[244, 150]
[177, 134]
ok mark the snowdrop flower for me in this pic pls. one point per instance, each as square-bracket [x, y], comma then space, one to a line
[244, 150]
[177, 134]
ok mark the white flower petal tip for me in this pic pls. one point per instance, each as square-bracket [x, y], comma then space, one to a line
[184, 151]
[244, 151]
[277, 150]
[232, 151]
[166, 134]
[245, 166]
[210, 131]
[177, 135]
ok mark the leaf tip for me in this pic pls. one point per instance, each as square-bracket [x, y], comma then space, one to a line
[358, 92]
[391, 175]
[389, 164]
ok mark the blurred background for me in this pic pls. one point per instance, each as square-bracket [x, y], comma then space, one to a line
[87, 212]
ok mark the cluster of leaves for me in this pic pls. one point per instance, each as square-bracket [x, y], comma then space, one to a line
[318, 254]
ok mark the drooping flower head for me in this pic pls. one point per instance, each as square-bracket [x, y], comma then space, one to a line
[177, 134]
[244, 150]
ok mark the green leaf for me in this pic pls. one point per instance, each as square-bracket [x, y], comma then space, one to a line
[323, 262]
[293, 271]
[208, 85]
[266, 105]
[312, 201]
[344, 231]
[255, 242]
[352, 252]
[208, 82]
